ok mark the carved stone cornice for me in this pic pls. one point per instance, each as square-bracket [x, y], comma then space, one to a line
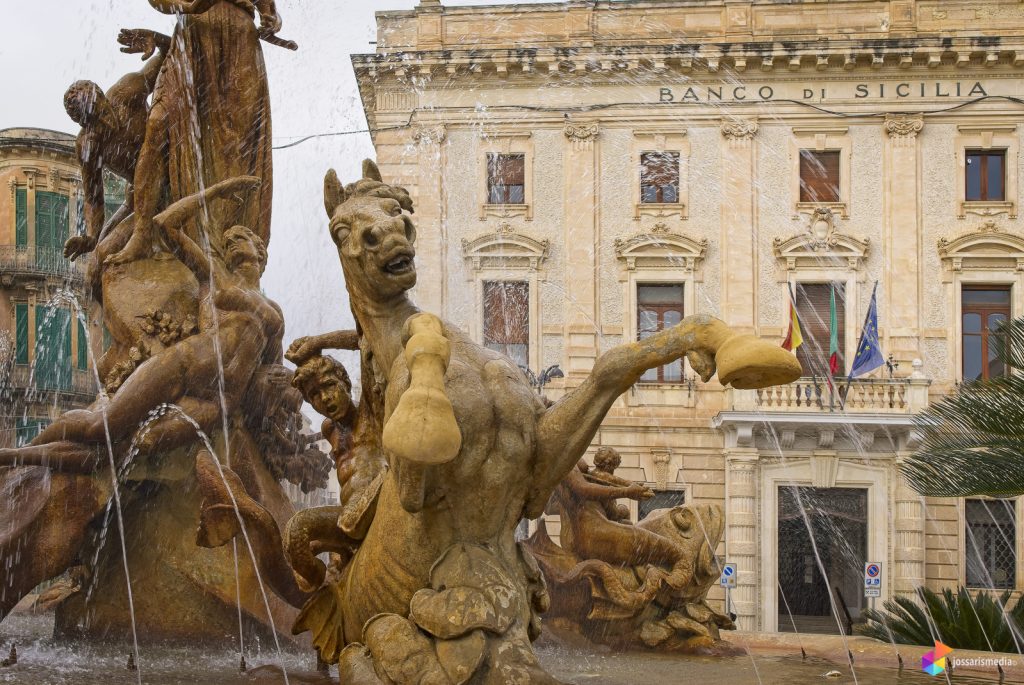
[739, 129]
[986, 247]
[903, 127]
[430, 135]
[505, 248]
[661, 249]
[581, 133]
[821, 241]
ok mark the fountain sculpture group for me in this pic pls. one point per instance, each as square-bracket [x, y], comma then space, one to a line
[447, 450]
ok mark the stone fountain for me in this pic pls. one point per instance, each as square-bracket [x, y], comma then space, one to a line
[447, 450]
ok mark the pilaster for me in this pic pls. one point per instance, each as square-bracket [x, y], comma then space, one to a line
[908, 571]
[741, 532]
[739, 224]
[581, 246]
[902, 235]
[431, 219]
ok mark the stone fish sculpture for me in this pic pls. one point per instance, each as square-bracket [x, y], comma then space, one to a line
[451, 449]
[626, 585]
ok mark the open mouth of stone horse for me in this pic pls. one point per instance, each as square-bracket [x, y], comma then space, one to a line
[399, 262]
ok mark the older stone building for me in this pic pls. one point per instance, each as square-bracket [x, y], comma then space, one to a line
[45, 362]
[588, 172]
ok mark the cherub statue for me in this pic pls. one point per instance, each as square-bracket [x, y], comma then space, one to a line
[113, 129]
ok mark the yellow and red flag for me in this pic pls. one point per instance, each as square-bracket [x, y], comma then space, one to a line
[793, 337]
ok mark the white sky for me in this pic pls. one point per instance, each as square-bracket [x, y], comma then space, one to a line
[45, 45]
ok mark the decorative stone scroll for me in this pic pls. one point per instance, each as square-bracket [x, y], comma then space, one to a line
[821, 241]
[739, 130]
[430, 135]
[902, 127]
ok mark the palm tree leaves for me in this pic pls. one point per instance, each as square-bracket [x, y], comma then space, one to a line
[954, 618]
[973, 440]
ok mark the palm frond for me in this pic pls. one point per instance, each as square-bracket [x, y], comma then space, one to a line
[955, 618]
[973, 440]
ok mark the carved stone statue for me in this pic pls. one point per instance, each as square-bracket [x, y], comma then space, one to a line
[196, 347]
[113, 129]
[623, 584]
[431, 585]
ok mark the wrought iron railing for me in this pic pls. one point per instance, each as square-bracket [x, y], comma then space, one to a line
[71, 382]
[41, 261]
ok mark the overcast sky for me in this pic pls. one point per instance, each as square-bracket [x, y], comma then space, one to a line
[45, 45]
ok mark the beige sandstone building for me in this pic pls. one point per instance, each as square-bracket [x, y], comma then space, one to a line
[45, 362]
[587, 172]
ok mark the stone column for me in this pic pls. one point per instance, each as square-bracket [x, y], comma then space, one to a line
[739, 225]
[741, 530]
[431, 219]
[581, 248]
[902, 231]
[908, 571]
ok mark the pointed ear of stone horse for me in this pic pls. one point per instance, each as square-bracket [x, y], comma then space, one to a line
[371, 171]
[334, 193]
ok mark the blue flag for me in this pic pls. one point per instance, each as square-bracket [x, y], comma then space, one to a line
[869, 351]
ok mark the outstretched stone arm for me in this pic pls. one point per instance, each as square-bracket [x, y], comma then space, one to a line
[303, 348]
[568, 427]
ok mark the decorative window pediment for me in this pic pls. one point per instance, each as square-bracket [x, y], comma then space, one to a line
[661, 249]
[505, 249]
[822, 244]
[987, 247]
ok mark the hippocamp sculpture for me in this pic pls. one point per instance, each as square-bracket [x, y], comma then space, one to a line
[433, 587]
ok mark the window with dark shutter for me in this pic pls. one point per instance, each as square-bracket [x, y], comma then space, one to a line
[21, 333]
[812, 307]
[659, 306]
[506, 179]
[985, 175]
[659, 177]
[990, 543]
[819, 176]
[21, 218]
[983, 310]
[83, 347]
[507, 319]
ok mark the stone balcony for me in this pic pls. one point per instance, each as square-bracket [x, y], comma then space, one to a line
[19, 262]
[814, 395]
[776, 417]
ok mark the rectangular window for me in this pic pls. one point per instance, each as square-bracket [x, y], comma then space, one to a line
[663, 499]
[659, 306]
[990, 543]
[659, 177]
[51, 228]
[985, 175]
[53, 348]
[506, 179]
[26, 429]
[21, 217]
[983, 310]
[507, 319]
[819, 176]
[21, 333]
[83, 347]
[813, 309]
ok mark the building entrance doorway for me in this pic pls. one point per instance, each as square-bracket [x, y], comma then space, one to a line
[838, 520]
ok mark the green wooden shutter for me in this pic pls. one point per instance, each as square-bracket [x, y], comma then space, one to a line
[83, 347]
[27, 429]
[51, 227]
[21, 217]
[21, 333]
[53, 349]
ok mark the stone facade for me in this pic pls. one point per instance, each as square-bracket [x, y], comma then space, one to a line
[901, 89]
[39, 175]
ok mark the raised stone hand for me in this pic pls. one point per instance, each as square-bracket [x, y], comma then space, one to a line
[135, 41]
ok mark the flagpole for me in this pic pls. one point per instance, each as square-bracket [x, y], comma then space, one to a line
[863, 329]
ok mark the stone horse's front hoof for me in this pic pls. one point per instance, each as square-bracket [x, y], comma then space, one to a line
[746, 362]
